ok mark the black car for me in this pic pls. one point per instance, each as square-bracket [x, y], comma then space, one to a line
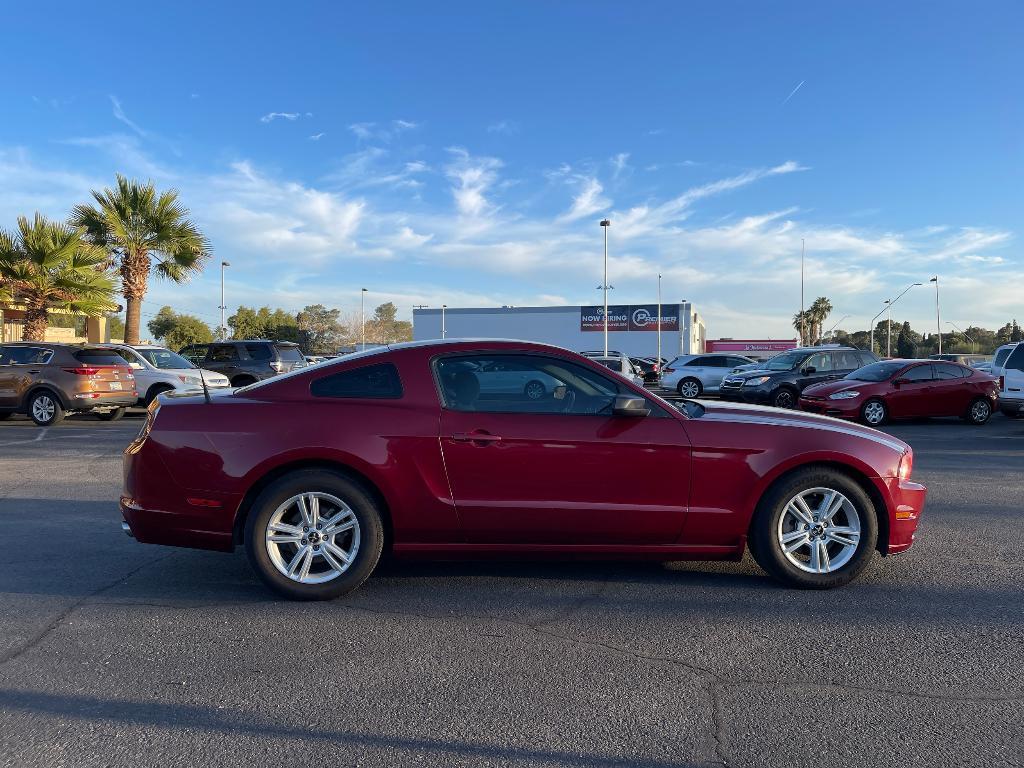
[780, 380]
[649, 367]
[247, 361]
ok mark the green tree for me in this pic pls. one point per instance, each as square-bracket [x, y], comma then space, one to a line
[278, 325]
[905, 346]
[136, 226]
[176, 330]
[47, 265]
[385, 328]
[245, 324]
[115, 326]
[321, 331]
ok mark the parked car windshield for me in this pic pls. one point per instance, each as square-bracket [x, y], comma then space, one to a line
[164, 358]
[787, 361]
[877, 371]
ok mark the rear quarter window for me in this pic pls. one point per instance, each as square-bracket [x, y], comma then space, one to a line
[377, 382]
[290, 353]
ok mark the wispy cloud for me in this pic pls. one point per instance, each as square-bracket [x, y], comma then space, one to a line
[505, 127]
[793, 92]
[272, 116]
[588, 202]
[317, 136]
[120, 115]
[471, 179]
[383, 132]
[619, 164]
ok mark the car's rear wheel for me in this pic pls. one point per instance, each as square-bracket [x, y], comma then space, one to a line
[114, 414]
[535, 390]
[815, 529]
[979, 412]
[784, 398]
[314, 535]
[45, 409]
[690, 388]
[874, 413]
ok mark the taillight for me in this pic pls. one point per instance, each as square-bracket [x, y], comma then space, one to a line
[82, 371]
[906, 465]
[655, 367]
[1002, 382]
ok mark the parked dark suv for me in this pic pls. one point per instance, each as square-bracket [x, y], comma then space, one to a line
[248, 361]
[780, 380]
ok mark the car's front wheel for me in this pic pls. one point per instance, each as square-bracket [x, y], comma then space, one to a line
[784, 398]
[314, 535]
[815, 529]
[690, 388]
[874, 413]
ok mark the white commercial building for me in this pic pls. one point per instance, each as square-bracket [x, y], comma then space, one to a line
[632, 328]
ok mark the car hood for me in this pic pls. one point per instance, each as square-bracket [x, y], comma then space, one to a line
[826, 388]
[741, 413]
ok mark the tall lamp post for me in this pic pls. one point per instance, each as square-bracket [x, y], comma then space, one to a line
[872, 324]
[835, 325]
[223, 304]
[801, 291]
[605, 223]
[938, 320]
[362, 318]
[890, 302]
[443, 329]
[659, 323]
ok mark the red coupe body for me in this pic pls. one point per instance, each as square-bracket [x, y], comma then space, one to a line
[679, 483]
[907, 388]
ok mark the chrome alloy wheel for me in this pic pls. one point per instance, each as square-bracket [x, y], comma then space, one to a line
[43, 408]
[535, 390]
[980, 412]
[819, 530]
[312, 537]
[689, 389]
[874, 413]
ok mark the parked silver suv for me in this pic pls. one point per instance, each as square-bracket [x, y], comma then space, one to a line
[693, 375]
[158, 369]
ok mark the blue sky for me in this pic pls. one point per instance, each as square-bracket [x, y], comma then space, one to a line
[463, 153]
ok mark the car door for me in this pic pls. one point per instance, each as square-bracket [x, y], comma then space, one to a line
[816, 368]
[223, 358]
[562, 469]
[950, 394]
[20, 367]
[714, 372]
[910, 392]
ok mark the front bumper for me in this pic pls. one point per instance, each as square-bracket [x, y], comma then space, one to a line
[757, 395]
[840, 409]
[907, 499]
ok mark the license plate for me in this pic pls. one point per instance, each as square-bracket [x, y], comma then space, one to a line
[115, 385]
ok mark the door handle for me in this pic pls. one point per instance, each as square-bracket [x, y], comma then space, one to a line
[475, 437]
[34, 371]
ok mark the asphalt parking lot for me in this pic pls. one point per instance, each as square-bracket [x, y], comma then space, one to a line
[116, 653]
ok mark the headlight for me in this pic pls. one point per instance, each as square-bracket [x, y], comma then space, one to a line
[848, 394]
[756, 382]
[190, 380]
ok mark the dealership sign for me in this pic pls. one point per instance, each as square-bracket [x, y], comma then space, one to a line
[629, 317]
[749, 345]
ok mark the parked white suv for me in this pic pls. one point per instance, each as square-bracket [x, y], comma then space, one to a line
[621, 365]
[1011, 377]
[158, 369]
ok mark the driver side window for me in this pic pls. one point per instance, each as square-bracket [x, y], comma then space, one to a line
[820, 362]
[533, 384]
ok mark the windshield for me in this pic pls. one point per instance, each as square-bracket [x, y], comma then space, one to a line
[1001, 356]
[876, 371]
[164, 358]
[787, 361]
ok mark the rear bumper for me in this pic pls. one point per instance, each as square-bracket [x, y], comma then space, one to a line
[907, 500]
[76, 401]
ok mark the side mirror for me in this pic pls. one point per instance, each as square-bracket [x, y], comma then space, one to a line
[898, 382]
[809, 370]
[628, 405]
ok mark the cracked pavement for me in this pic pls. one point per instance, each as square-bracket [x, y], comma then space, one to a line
[115, 653]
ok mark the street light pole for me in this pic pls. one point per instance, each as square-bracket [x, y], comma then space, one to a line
[362, 318]
[659, 323]
[890, 302]
[938, 319]
[443, 329]
[873, 327]
[835, 326]
[963, 334]
[802, 292]
[605, 223]
[223, 304]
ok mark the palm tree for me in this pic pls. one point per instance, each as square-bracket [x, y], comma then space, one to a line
[47, 265]
[135, 225]
[819, 312]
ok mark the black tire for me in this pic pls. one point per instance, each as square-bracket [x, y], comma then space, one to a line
[242, 381]
[784, 397]
[370, 526]
[764, 529]
[979, 412]
[692, 386]
[155, 391]
[876, 415]
[48, 402]
[535, 390]
[114, 415]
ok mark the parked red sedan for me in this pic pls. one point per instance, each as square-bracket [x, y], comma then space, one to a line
[401, 447]
[899, 389]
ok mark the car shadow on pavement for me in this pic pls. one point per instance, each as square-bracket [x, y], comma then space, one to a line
[232, 724]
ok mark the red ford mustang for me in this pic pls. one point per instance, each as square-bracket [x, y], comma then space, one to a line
[444, 449]
[897, 389]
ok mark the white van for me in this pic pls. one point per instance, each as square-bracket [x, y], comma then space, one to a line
[1011, 376]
